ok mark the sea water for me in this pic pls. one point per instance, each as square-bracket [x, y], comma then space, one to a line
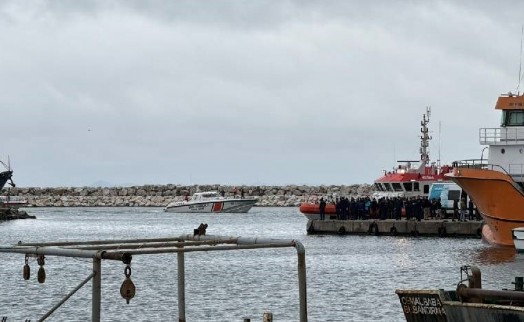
[349, 278]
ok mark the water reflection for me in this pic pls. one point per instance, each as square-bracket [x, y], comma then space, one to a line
[495, 255]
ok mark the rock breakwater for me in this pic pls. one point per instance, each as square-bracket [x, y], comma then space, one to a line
[161, 195]
[7, 213]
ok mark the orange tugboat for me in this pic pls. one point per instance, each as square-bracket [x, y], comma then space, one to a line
[497, 188]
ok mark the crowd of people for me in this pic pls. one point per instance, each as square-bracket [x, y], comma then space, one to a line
[417, 208]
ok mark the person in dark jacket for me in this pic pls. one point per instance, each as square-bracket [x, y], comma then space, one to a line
[470, 210]
[455, 209]
[322, 209]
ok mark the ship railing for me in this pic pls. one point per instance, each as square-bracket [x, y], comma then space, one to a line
[471, 163]
[515, 171]
[483, 164]
[505, 135]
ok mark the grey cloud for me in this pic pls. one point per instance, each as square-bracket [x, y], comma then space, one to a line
[245, 92]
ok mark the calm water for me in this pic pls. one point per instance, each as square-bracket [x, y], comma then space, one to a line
[349, 278]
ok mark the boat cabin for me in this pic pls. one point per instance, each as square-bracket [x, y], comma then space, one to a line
[506, 143]
[410, 182]
[202, 196]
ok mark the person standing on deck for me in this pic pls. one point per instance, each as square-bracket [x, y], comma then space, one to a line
[462, 209]
[455, 209]
[322, 209]
[470, 210]
[426, 206]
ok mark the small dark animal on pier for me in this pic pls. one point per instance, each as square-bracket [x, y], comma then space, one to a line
[201, 230]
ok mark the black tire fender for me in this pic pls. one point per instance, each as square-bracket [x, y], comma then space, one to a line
[393, 231]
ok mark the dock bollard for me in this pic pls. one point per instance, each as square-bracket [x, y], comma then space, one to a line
[268, 317]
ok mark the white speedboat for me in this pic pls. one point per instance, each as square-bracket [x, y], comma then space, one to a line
[211, 201]
[518, 239]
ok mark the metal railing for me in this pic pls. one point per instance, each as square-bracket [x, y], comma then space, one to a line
[501, 135]
[470, 163]
[483, 164]
[123, 250]
[515, 170]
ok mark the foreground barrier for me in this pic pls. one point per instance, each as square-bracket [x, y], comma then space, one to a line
[124, 250]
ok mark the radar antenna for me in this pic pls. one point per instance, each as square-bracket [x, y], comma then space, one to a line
[424, 137]
[520, 62]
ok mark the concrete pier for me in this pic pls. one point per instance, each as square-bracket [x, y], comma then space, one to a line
[391, 227]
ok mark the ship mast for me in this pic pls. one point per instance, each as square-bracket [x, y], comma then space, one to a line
[424, 137]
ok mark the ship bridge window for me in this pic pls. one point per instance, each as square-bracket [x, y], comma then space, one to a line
[513, 118]
[397, 186]
[388, 187]
[426, 189]
[416, 186]
[408, 186]
[378, 187]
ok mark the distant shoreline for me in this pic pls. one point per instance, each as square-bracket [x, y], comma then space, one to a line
[161, 195]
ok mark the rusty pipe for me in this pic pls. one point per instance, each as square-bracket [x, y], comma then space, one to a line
[467, 293]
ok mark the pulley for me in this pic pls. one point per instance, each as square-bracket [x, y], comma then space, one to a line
[127, 290]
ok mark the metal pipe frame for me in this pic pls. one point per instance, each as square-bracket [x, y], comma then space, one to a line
[45, 316]
[124, 248]
[96, 294]
[181, 269]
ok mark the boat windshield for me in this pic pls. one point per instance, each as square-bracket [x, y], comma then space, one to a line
[397, 186]
[210, 195]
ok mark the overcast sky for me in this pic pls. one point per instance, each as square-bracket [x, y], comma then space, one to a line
[246, 92]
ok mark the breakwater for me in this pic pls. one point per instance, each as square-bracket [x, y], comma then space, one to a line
[161, 195]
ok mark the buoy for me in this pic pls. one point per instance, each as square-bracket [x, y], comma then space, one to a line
[342, 230]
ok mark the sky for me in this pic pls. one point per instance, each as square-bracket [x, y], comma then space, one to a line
[246, 92]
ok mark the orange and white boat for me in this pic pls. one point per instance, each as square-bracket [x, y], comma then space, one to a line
[413, 178]
[496, 188]
[409, 179]
[311, 209]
